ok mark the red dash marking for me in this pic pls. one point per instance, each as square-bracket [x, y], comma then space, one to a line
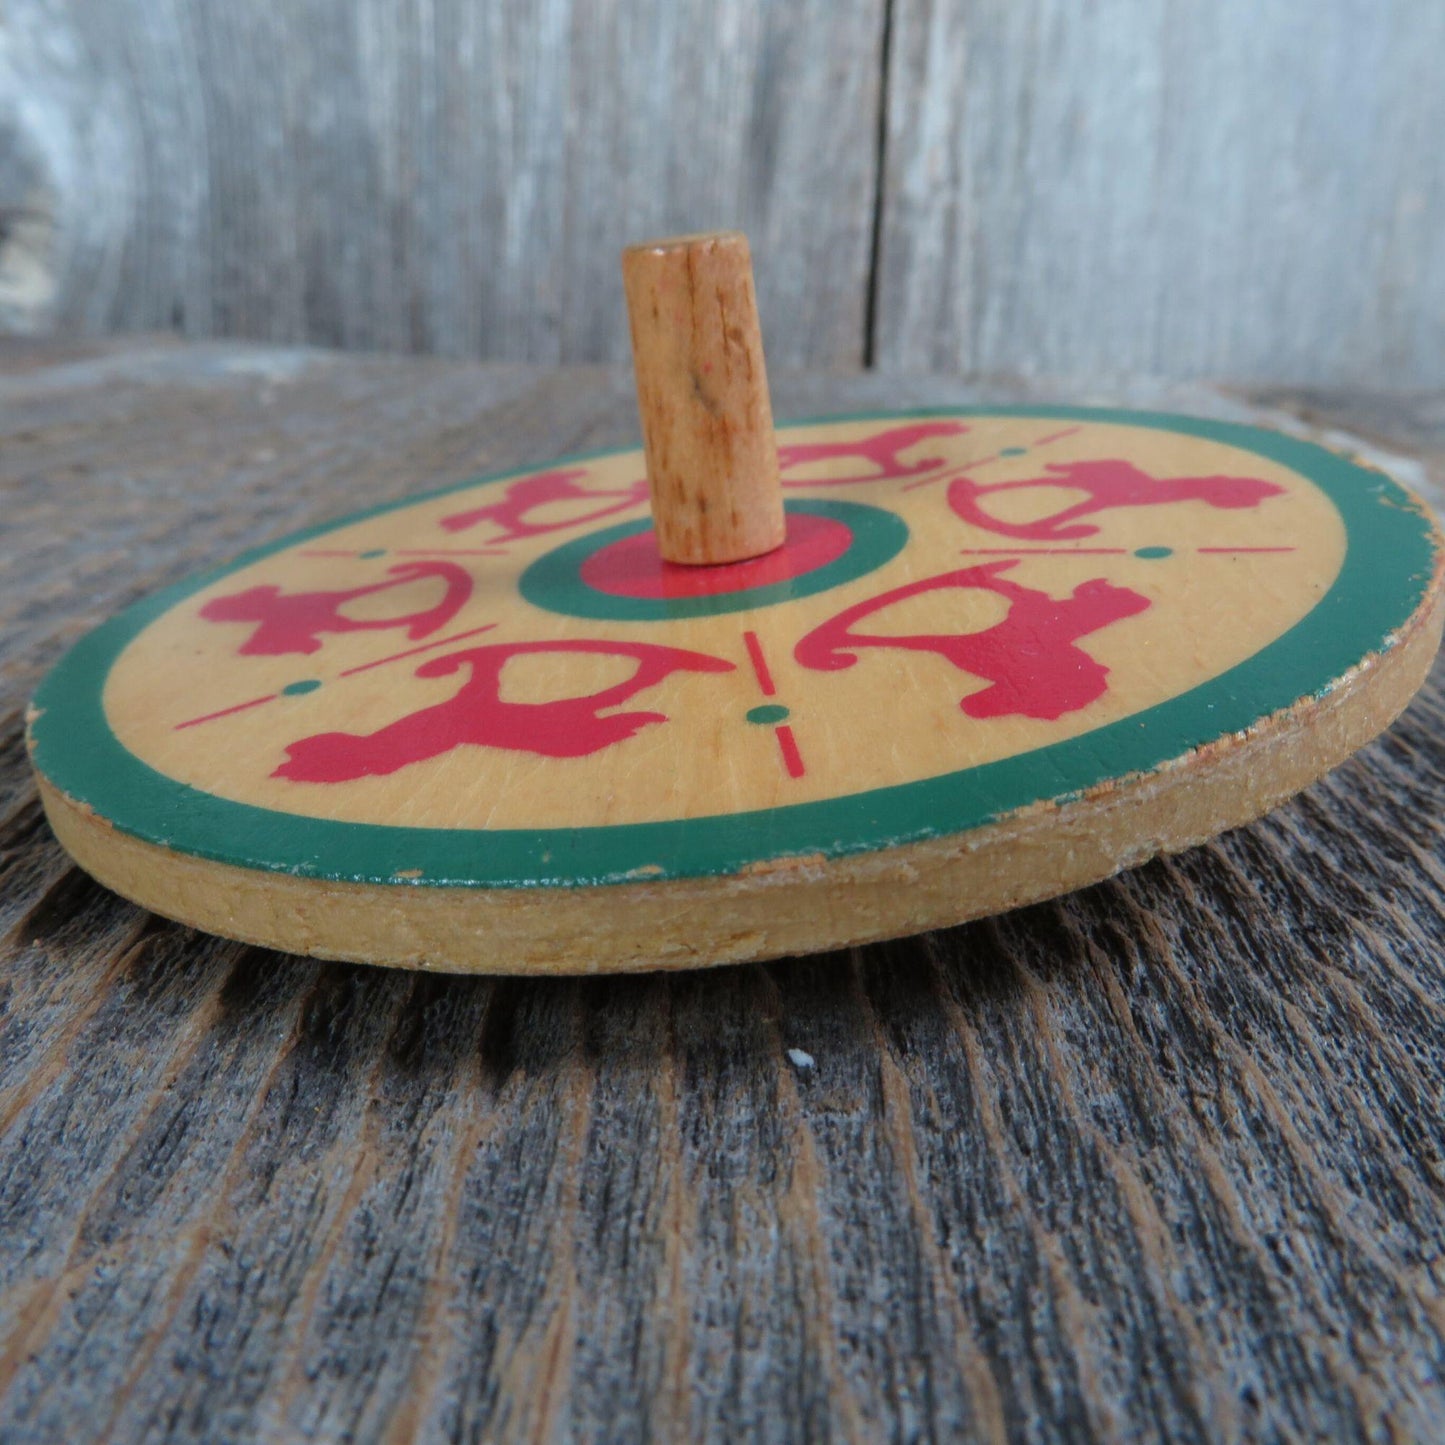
[226, 711]
[1048, 551]
[1058, 436]
[450, 552]
[947, 476]
[1244, 549]
[328, 552]
[788, 746]
[412, 651]
[760, 664]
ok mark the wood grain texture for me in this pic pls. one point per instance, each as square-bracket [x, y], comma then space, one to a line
[1239, 189]
[430, 175]
[1164, 1156]
[1236, 189]
[702, 398]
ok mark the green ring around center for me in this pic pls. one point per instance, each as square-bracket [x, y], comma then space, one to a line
[554, 582]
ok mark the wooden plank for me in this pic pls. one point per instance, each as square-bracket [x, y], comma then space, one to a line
[1237, 190]
[1164, 1155]
[1246, 191]
[447, 178]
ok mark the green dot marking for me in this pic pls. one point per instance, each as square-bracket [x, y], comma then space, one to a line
[770, 712]
[295, 689]
[1013, 451]
[1151, 553]
[375, 552]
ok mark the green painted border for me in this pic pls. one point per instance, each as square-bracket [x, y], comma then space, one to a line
[554, 582]
[1389, 563]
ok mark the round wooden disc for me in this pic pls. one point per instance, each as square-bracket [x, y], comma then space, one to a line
[1002, 654]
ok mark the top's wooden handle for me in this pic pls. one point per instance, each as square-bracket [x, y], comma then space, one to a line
[702, 390]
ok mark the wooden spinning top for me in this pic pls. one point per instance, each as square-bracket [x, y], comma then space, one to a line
[875, 675]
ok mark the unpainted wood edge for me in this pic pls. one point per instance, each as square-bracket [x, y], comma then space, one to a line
[796, 905]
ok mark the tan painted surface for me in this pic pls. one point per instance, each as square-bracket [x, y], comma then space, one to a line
[892, 718]
[797, 908]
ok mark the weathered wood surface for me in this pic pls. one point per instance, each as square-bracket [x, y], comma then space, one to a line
[1244, 189]
[1237, 189]
[1164, 1158]
[445, 177]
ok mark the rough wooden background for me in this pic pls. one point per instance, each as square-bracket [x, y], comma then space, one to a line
[1244, 188]
[1164, 1157]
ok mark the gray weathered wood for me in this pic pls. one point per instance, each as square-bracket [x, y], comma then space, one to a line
[1245, 189]
[1163, 1158]
[442, 177]
[1250, 188]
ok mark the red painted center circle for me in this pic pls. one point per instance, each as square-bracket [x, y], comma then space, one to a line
[631, 567]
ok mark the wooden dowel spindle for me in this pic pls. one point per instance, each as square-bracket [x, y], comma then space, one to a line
[702, 391]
